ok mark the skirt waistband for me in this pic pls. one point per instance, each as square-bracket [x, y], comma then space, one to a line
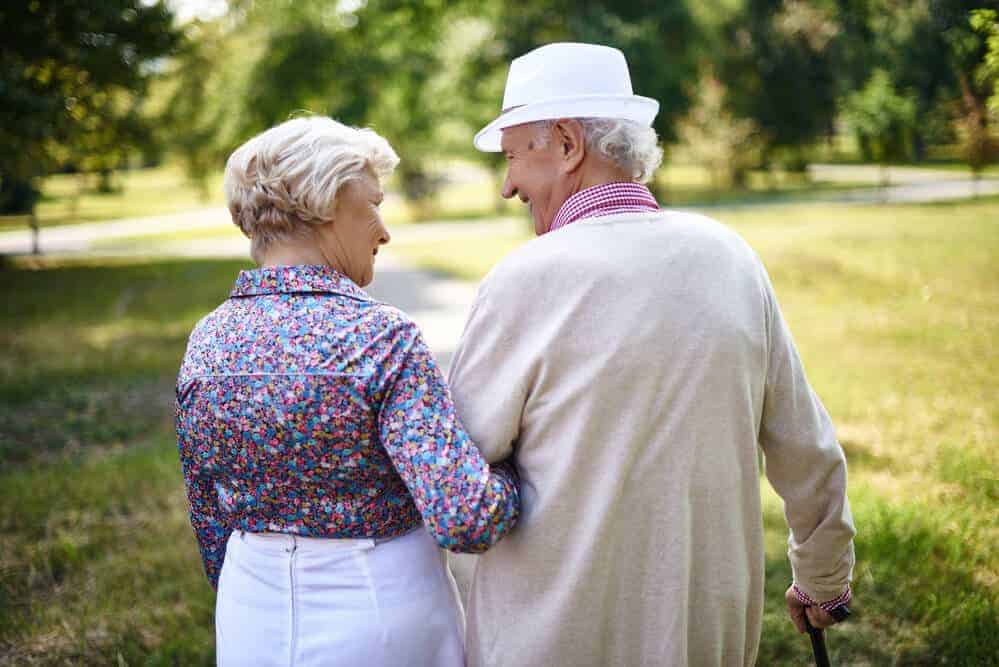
[287, 542]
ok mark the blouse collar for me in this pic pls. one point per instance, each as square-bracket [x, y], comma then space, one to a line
[303, 278]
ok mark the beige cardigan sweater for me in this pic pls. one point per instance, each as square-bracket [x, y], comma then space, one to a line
[634, 365]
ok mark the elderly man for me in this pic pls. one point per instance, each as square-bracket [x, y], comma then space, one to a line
[634, 361]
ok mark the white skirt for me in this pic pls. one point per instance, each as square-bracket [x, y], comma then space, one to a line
[286, 600]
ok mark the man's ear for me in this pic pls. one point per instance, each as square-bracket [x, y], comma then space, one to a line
[570, 138]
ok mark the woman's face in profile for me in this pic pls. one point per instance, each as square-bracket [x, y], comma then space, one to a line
[350, 242]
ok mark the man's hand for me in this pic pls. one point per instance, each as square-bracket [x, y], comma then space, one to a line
[818, 617]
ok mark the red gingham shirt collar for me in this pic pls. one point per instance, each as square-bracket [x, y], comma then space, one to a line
[605, 199]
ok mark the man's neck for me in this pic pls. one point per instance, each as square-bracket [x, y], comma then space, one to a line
[601, 173]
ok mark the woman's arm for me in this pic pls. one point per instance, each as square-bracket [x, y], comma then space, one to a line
[466, 504]
[197, 460]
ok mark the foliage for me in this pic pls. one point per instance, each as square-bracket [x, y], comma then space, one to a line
[882, 119]
[985, 22]
[74, 73]
[929, 49]
[711, 137]
[368, 63]
[980, 148]
[777, 64]
[197, 100]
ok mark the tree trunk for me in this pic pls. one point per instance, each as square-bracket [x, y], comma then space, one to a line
[36, 248]
[105, 182]
[74, 202]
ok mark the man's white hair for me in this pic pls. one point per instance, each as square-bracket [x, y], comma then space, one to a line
[282, 182]
[631, 146]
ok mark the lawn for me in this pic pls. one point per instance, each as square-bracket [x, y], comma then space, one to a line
[71, 198]
[895, 311]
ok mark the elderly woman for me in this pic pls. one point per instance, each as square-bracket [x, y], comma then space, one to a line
[316, 434]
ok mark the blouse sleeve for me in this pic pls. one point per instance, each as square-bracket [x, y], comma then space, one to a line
[466, 504]
[197, 458]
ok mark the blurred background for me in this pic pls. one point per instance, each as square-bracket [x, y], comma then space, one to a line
[853, 143]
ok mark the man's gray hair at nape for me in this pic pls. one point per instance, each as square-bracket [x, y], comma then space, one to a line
[631, 146]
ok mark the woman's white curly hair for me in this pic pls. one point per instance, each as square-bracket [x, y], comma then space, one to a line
[285, 180]
[631, 146]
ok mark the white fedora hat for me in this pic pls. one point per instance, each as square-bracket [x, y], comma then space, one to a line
[567, 80]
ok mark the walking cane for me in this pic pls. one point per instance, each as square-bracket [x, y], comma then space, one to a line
[818, 637]
[818, 644]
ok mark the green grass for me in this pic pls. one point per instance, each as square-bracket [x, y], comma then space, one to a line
[687, 185]
[97, 561]
[71, 198]
[895, 310]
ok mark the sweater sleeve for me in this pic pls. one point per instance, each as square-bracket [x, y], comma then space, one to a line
[466, 504]
[488, 377]
[806, 466]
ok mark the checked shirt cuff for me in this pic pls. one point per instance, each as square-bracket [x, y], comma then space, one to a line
[829, 605]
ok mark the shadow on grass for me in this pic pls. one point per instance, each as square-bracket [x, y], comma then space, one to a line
[89, 351]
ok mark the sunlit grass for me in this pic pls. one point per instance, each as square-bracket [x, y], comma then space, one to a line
[895, 311]
[72, 198]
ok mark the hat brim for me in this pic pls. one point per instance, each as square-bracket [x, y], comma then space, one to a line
[635, 108]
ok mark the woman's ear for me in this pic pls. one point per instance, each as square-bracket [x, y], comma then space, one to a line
[569, 134]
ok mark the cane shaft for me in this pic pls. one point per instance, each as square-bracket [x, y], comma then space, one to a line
[818, 644]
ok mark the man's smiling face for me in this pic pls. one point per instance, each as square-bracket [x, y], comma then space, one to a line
[533, 173]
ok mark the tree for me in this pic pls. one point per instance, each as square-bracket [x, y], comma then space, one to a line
[986, 23]
[927, 47]
[726, 146]
[778, 66]
[198, 101]
[73, 73]
[978, 80]
[368, 63]
[882, 120]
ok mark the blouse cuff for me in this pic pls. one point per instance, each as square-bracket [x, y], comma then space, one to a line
[829, 605]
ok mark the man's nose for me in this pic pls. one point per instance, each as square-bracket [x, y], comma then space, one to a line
[508, 189]
[386, 237]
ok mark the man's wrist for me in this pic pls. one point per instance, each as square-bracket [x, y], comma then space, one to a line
[830, 606]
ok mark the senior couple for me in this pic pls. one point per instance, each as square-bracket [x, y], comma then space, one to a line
[609, 397]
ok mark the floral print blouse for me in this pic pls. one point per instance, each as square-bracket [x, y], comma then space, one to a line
[306, 407]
